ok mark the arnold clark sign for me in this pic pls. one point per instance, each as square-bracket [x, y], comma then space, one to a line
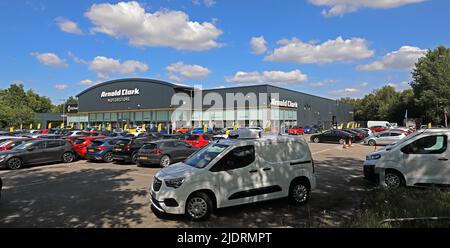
[122, 95]
[283, 103]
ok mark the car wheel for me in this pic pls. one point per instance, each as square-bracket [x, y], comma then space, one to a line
[134, 158]
[68, 157]
[165, 161]
[299, 192]
[199, 207]
[372, 143]
[108, 157]
[316, 140]
[393, 179]
[14, 163]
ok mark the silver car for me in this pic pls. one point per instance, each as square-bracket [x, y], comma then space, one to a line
[384, 138]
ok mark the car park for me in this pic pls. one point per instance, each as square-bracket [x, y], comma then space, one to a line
[80, 144]
[165, 152]
[296, 131]
[422, 158]
[101, 150]
[37, 152]
[235, 172]
[198, 140]
[384, 138]
[332, 136]
[126, 149]
[199, 131]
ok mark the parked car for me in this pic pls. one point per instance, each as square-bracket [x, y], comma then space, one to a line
[367, 131]
[101, 150]
[377, 129]
[312, 129]
[420, 159]
[199, 131]
[229, 173]
[80, 144]
[384, 138]
[182, 130]
[50, 136]
[37, 152]
[10, 144]
[296, 131]
[332, 136]
[198, 140]
[8, 138]
[90, 133]
[1, 186]
[357, 136]
[126, 149]
[165, 152]
[73, 133]
[218, 137]
[384, 124]
[177, 136]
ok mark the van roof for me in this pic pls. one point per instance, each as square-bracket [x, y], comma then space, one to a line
[262, 140]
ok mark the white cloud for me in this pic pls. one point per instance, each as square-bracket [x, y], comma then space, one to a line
[207, 3]
[323, 83]
[61, 87]
[162, 28]
[404, 58]
[88, 82]
[338, 50]
[77, 59]
[341, 7]
[105, 67]
[68, 26]
[258, 45]
[268, 77]
[50, 59]
[179, 72]
[349, 91]
[400, 86]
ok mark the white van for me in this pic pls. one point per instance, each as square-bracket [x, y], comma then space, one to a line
[236, 171]
[378, 124]
[422, 158]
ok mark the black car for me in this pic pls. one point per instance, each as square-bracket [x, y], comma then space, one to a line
[37, 152]
[332, 136]
[178, 136]
[101, 150]
[126, 149]
[165, 152]
[357, 136]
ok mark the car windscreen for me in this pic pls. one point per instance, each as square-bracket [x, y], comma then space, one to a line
[151, 146]
[79, 141]
[96, 143]
[123, 142]
[203, 157]
[24, 145]
[192, 137]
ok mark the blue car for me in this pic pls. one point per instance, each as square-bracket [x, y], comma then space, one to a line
[199, 131]
[312, 130]
[101, 150]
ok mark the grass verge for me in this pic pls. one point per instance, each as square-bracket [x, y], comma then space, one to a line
[381, 204]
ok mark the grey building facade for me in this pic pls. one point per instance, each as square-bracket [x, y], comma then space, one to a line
[134, 102]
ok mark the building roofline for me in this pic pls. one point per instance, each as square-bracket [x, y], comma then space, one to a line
[135, 80]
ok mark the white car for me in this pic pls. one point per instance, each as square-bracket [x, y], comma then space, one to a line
[384, 138]
[234, 172]
[421, 158]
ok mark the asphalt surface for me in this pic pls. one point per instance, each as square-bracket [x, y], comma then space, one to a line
[85, 194]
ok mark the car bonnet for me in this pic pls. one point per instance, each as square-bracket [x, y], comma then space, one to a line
[177, 170]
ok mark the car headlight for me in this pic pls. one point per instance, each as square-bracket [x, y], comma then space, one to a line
[174, 183]
[373, 157]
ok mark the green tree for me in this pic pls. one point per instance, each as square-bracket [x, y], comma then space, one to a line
[431, 84]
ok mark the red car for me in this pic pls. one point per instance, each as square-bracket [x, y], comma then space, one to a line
[198, 140]
[10, 144]
[182, 130]
[80, 144]
[296, 131]
[377, 129]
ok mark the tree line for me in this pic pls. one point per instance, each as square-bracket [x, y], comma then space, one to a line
[18, 106]
[428, 100]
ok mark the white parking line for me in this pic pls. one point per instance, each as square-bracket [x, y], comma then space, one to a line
[326, 150]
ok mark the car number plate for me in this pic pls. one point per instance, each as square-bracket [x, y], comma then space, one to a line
[117, 149]
[143, 157]
[91, 150]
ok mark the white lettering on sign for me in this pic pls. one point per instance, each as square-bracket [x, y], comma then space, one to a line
[283, 103]
[123, 92]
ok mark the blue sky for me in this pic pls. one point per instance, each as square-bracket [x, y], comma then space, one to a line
[331, 48]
